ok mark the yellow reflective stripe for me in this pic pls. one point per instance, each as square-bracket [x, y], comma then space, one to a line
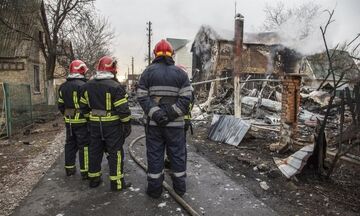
[86, 94]
[118, 170]
[108, 101]
[126, 119]
[75, 100]
[120, 102]
[60, 93]
[97, 174]
[115, 178]
[77, 116]
[60, 100]
[83, 100]
[187, 117]
[126, 96]
[105, 118]
[86, 159]
[70, 167]
[86, 115]
[161, 53]
[74, 121]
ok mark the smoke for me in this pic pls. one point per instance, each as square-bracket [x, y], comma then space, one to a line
[301, 31]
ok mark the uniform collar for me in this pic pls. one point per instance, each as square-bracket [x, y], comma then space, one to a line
[100, 75]
[164, 59]
[75, 76]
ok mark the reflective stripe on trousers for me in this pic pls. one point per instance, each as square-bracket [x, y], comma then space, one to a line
[155, 175]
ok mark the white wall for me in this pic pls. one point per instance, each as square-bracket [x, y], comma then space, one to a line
[184, 57]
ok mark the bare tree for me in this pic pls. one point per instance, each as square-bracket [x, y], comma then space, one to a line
[336, 74]
[89, 41]
[276, 15]
[55, 17]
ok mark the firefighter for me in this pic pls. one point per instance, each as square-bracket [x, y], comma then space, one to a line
[164, 93]
[187, 120]
[105, 100]
[77, 135]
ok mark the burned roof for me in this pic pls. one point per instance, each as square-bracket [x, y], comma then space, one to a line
[342, 62]
[265, 38]
[177, 43]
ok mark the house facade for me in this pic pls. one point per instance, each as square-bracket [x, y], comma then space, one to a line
[21, 62]
[182, 55]
[316, 67]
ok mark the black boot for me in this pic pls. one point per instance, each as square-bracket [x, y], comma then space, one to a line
[84, 176]
[94, 182]
[70, 171]
[155, 193]
[114, 186]
[179, 192]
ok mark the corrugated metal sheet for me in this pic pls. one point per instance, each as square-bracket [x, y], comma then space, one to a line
[228, 129]
[293, 164]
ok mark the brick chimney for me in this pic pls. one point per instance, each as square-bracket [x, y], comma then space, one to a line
[290, 104]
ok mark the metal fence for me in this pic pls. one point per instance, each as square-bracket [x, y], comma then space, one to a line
[17, 106]
[17, 109]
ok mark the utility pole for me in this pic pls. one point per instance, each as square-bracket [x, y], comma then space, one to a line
[238, 43]
[127, 80]
[132, 67]
[149, 34]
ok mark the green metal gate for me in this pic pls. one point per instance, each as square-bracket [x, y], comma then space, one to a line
[17, 107]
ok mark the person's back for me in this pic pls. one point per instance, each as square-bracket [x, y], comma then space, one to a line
[77, 136]
[164, 93]
[105, 100]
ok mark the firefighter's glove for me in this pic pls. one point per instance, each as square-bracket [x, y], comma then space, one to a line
[160, 118]
[170, 112]
[187, 125]
[126, 129]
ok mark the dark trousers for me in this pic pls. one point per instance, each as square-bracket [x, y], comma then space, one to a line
[173, 140]
[113, 143]
[77, 140]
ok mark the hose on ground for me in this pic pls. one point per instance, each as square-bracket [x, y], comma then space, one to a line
[177, 198]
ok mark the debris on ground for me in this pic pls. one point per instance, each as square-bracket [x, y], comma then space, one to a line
[27, 161]
[293, 164]
[228, 129]
[264, 185]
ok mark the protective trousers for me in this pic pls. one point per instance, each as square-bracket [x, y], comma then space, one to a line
[112, 141]
[173, 139]
[77, 140]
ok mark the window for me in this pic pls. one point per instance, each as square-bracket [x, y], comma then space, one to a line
[36, 79]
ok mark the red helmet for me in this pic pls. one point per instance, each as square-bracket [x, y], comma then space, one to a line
[163, 48]
[78, 66]
[107, 64]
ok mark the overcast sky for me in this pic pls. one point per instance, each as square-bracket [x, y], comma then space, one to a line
[182, 19]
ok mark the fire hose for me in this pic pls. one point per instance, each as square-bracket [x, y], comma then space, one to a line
[177, 198]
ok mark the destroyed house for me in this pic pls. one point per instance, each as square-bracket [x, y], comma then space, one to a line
[316, 69]
[213, 54]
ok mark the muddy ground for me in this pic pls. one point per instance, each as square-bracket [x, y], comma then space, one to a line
[252, 162]
[25, 158]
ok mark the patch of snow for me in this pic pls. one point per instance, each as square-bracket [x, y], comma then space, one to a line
[264, 185]
[162, 205]
[134, 189]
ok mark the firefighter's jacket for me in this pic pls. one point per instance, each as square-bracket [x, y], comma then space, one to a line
[69, 98]
[163, 82]
[105, 101]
